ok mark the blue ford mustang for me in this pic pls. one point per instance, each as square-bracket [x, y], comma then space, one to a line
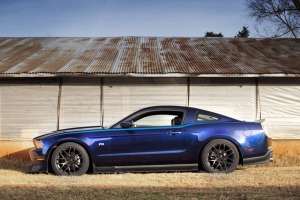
[160, 138]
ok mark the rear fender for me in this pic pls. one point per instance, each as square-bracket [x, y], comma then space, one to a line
[225, 137]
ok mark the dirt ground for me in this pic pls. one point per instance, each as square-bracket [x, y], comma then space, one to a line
[244, 183]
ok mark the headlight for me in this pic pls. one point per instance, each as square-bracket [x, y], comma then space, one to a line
[38, 144]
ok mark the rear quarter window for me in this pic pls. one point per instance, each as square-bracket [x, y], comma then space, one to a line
[200, 117]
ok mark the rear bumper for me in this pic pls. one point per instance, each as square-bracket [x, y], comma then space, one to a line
[268, 157]
[38, 159]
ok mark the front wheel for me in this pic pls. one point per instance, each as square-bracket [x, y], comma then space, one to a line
[219, 156]
[70, 159]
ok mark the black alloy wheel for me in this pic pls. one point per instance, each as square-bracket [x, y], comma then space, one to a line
[70, 159]
[219, 156]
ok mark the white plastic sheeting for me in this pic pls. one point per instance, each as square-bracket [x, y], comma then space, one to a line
[29, 108]
[80, 103]
[122, 96]
[234, 97]
[276, 101]
[280, 106]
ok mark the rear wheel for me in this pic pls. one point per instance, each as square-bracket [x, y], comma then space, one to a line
[70, 159]
[219, 156]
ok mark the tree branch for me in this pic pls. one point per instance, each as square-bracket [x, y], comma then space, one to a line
[297, 4]
[283, 14]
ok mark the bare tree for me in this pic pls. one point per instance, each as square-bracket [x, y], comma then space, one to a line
[281, 18]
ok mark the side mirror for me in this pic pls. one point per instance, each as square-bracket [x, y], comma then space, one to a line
[126, 124]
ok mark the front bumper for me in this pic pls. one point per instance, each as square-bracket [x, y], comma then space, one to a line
[38, 159]
[268, 157]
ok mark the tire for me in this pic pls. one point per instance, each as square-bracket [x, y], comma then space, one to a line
[70, 159]
[219, 156]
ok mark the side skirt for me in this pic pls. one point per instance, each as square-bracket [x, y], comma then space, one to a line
[147, 168]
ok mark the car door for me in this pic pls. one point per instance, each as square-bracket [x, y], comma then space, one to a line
[152, 141]
[147, 146]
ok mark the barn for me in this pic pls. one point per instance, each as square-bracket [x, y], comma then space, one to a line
[56, 83]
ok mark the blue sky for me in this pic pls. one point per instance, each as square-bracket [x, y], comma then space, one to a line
[96, 18]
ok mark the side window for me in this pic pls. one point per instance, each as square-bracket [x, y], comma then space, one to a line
[155, 120]
[203, 117]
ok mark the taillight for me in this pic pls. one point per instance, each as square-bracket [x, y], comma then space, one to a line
[269, 139]
[265, 129]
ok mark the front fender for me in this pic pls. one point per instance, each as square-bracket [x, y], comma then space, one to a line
[58, 142]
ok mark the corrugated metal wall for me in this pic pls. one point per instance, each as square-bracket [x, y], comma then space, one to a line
[30, 107]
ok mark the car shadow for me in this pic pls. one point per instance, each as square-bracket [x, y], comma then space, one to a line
[17, 161]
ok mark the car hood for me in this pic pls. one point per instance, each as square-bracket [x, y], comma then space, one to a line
[88, 128]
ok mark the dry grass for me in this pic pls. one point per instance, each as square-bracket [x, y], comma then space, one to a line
[261, 182]
[14, 164]
[286, 160]
[250, 183]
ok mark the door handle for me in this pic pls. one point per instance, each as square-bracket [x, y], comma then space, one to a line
[174, 132]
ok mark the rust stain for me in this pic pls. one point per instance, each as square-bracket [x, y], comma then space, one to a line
[32, 62]
[127, 62]
[150, 62]
[18, 56]
[149, 55]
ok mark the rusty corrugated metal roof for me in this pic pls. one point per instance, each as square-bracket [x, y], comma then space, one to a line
[149, 56]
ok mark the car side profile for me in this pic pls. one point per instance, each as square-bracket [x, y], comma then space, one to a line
[159, 138]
